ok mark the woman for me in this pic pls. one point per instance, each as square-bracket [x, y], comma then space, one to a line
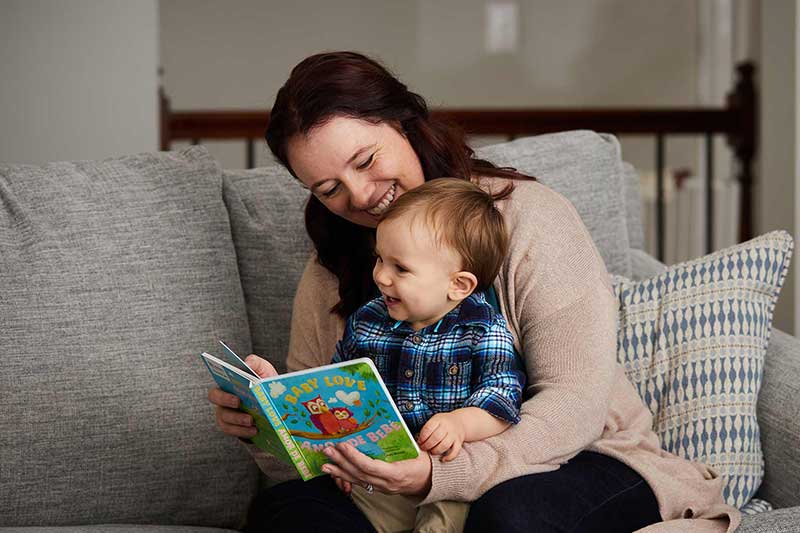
[584, 457]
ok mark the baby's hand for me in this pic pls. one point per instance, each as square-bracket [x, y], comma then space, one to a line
[444, 432]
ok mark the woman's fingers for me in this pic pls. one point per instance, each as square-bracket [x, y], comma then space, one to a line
[364, 463]
[345, 468]
[337, 472]
[234, 423]
[262, 367]
[221, 398]
[344, 486]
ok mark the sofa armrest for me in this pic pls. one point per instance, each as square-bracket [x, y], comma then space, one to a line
[779, 421]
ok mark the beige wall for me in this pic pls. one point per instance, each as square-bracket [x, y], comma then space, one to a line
[571, 53]
[778, 177]
[78, 79]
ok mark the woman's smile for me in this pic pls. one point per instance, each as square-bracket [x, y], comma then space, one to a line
[384, 202]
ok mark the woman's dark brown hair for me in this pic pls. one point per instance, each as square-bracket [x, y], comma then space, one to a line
[349, 84]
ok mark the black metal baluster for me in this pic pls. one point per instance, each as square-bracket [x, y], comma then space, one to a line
[660, 196]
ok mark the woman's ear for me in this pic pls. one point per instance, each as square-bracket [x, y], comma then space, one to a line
[462, 284]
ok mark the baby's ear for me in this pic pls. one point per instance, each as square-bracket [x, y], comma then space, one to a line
[462, 284]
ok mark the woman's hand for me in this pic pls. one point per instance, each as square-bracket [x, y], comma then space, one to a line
[412, 476]
[229, 419]
[344, 486]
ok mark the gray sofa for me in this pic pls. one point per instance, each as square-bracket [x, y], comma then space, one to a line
[116, 274]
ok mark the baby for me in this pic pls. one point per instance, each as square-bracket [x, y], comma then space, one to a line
[446, 356]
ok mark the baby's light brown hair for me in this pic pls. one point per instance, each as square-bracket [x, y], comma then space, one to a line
[463, 217]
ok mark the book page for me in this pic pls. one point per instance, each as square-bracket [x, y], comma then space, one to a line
[342, 402]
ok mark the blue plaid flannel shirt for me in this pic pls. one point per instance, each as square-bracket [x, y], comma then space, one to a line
[467, 359]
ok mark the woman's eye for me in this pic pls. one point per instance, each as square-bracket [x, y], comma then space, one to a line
[331, 192]
[366, 163]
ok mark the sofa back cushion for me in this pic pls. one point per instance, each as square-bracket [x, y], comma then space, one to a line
[266, 209]
[586, 168]
[114, 276]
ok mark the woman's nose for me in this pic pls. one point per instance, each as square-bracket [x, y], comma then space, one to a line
[360, 194]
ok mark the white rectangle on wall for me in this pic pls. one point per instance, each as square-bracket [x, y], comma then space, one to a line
[502, 27]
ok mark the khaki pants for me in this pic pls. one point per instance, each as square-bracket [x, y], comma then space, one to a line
[394, 513]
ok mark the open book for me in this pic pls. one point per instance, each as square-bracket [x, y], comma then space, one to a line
[299, 413]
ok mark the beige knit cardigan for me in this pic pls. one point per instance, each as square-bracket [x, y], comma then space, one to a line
[556, 295]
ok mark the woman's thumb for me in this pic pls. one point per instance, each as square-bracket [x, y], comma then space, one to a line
[261, 366]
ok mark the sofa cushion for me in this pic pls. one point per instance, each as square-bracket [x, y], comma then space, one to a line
[777, 521]
[586, 168]
[114, 276]
[266, 207]
[692, 340]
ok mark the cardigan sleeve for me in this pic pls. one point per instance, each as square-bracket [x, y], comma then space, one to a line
[560, 304]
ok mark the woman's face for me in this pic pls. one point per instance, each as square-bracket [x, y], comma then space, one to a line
[355, 168]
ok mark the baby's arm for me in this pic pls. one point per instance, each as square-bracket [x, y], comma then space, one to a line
[479, 424]
[494, 403]
[446, 432]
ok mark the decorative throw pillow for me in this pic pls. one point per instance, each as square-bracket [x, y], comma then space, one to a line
[693, 340]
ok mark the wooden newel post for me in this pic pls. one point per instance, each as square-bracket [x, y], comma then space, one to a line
[742, 137]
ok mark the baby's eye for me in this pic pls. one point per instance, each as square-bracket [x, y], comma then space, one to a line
[366, 163]
[401, 268]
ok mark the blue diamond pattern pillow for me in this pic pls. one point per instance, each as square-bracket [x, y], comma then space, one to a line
[693, 340]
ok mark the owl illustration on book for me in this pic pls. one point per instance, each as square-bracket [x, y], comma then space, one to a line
[345, 417]
[321, 416]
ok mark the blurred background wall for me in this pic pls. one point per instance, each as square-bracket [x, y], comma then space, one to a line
[79, 78]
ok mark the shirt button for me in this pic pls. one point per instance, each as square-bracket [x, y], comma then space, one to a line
[409, 373]
[416, 339]
[453, 369]
[409, 406]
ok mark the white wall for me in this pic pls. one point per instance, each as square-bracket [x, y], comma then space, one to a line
[78, 79]
[236, 54]
[778, 179]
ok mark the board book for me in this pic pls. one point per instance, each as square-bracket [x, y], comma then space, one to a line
[298, 413]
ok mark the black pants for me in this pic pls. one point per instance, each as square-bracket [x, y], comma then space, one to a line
[592, 493]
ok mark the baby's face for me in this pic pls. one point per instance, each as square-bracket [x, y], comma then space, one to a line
[413, 272]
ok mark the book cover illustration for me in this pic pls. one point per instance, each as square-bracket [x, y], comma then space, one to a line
[299, 413]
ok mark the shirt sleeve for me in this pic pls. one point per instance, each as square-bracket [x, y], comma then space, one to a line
[559, 301]
[499, 382]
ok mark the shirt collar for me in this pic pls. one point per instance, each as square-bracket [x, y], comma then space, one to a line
[472, 311]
